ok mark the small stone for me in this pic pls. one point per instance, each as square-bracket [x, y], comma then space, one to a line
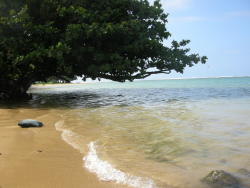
[221, 179]
[223, 161]
[30, 123]
[39, 151]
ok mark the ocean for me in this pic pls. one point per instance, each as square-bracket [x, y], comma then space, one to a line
[154, 133]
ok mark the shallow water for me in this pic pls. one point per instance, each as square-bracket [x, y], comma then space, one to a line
[167, 133]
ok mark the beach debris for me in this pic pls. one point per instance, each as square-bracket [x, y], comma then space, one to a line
[223, 161]
[30, 123]
[39, 151]
[221, 179]
[244, 172]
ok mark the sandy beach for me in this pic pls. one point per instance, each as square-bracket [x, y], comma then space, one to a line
[57, 84]
[38, 157]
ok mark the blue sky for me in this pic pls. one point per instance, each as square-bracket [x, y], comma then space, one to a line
[219, 29]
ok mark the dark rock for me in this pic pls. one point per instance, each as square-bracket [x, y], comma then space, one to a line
[244, 172]
[39, 151]
[30, 123]
[223, 161]
[221, 179]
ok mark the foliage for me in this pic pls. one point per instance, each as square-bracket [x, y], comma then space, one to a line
[118, 40]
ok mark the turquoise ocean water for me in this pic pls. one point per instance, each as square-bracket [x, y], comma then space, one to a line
[160, 133]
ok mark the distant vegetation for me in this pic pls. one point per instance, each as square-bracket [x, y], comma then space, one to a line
[117, 40]
[52, 80]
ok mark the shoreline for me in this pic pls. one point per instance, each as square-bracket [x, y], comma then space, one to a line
[57, 84]
[174, 78]
[38, 157]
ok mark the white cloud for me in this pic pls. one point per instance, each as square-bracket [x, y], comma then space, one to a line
[174, 4]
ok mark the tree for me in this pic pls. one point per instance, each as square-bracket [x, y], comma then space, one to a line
[117, 40]
[6, 6]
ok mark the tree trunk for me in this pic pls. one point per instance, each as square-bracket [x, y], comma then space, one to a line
[14, 90]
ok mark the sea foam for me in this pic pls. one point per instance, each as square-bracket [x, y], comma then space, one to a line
[104, 170]
[68, 136]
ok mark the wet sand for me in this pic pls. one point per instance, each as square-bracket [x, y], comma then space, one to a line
[38, 157]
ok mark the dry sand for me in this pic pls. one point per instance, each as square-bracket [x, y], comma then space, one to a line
[60, 84]
[38, 157]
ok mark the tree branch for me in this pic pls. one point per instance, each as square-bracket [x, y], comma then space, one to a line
[146, 74]
[132, 77]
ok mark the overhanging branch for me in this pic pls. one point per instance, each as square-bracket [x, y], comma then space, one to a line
[146, 74]
[122, 78]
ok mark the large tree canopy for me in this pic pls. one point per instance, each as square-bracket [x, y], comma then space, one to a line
[114, 39]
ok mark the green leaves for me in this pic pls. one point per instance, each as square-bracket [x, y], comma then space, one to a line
[118, 40]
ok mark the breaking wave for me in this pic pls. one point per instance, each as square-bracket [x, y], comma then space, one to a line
[104, 170]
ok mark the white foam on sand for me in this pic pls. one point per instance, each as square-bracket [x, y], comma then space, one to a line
[104, 170]
[67, 135]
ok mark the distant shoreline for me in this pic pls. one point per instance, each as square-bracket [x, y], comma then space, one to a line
[57, 84]
[207, 77]
[107, 81]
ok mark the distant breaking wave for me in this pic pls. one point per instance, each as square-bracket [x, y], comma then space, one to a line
[104, 170]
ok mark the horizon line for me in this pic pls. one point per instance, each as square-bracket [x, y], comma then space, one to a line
[174, 78]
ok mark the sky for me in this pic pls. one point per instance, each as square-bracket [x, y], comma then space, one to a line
[218, 29]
